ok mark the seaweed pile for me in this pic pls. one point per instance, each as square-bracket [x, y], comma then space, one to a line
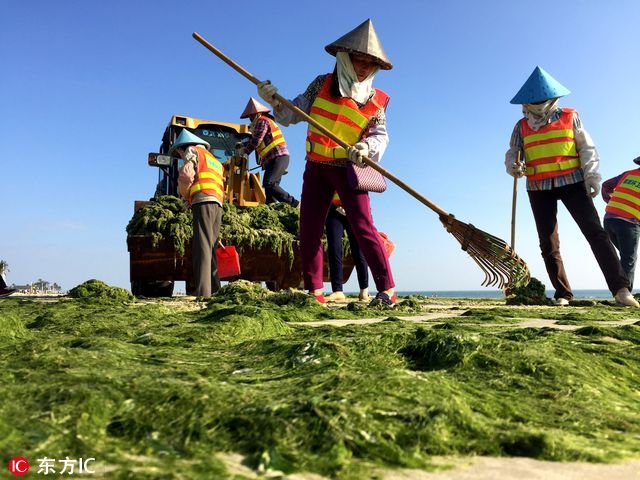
[531, 294]
[272, 227]
[166, 217]
[153, 392]
[97, 290]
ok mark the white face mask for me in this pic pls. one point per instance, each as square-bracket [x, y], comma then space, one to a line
[348, 80]
[538, 115]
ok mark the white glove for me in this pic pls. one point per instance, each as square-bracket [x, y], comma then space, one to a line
[592, 185]
[359, 150]
[266, 91]
[516, 170]
[190, 155]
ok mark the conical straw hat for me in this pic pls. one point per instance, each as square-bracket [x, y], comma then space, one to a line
[187, 138]
[254, 106]
[362, 39]
[540, 86]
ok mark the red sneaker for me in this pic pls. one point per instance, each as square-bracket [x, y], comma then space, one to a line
[320, 299]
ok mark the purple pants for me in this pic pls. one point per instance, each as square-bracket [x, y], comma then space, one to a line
[319, 183]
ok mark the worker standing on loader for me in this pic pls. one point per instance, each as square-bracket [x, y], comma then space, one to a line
[271, 149]
[201, 183]
[622, 217]
[561, 163]
[346, 103]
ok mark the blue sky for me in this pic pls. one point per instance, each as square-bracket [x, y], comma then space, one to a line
[88, 88]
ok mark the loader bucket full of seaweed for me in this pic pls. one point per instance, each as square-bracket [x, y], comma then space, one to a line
[265, 236]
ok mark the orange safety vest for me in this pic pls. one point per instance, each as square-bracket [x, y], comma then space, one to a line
[277, 139]
[625, 199]
[551, 151]
[343, 117]
[209, 179]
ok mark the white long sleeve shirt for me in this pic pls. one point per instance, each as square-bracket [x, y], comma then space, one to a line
[589, 158]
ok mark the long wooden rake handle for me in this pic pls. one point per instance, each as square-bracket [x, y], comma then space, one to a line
[513, 206]
[411, 191]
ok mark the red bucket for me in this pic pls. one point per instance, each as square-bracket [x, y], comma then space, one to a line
[228, 262]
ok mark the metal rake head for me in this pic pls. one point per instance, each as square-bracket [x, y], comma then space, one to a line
[499, 262]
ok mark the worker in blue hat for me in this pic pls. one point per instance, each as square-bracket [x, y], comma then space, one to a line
[201, 184]
[551, 147]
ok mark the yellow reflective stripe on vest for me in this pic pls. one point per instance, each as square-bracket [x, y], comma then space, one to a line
[555, 149]
[353, 115]
[626, 196]
[635, 212]
[347, 133]
[277, 140]
[215, 176]
[623, 201]
[210, 178]
[553, 166]
[536, 137]
[336, 152]
[197, 187]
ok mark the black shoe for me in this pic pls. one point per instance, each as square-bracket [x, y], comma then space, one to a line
[5, 292]
[384, 300]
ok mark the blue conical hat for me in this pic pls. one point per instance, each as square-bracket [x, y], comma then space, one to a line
[540, 86]
[187, 138]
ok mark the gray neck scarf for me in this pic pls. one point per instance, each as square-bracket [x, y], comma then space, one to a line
[538, 115]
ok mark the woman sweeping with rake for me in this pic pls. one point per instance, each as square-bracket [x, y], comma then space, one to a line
[346, 118]
[345, 102]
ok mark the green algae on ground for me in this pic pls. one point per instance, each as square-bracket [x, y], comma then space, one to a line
[98, 290]
[569, 314]
[296, 306]
[154, 392]
[166, 217]
[271, 227]
[533, 293]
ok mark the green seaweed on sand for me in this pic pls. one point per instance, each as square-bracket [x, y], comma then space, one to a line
[155, 391]
[272, 227]
[98, 290]
[295, 305]
[532, 293]
[166, 217]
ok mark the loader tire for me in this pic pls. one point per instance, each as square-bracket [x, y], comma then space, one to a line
[152, 289]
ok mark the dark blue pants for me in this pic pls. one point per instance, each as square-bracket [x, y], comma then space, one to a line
[336, 224]
[273, 172]
[624, 235]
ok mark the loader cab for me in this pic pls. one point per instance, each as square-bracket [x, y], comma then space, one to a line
[221, 136]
